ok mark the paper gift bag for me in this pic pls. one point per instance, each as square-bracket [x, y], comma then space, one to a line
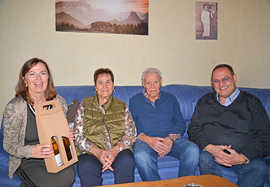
[53, 128]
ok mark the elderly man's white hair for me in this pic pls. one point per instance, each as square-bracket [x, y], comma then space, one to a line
[151, 70]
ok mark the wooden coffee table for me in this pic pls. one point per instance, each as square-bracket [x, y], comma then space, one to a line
[204, 180]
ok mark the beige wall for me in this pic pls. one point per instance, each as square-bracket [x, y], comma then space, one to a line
[27, 29]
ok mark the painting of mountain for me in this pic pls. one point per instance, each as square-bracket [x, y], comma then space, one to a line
[102, 16]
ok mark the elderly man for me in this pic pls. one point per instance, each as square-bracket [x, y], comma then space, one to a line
[232, 129]
[160, 127]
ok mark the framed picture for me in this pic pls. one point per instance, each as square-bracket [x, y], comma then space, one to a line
[206, 20]
[102, 16]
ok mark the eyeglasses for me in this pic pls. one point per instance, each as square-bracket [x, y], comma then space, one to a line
[224, 80]
[33, 75]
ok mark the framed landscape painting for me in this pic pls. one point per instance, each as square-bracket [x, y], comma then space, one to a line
[102, 16]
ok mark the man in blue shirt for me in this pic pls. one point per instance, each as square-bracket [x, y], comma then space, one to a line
[160, 128]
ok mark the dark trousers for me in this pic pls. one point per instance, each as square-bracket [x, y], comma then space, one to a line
[33, 173]
[90, 169]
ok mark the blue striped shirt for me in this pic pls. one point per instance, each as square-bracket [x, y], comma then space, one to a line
[229, 100]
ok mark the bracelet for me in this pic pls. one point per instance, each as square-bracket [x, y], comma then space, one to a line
[120, 148]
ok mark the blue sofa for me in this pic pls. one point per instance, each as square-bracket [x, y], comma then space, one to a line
[187, 96]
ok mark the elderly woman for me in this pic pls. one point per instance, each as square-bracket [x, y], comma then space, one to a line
[21, 140]
[104, 133]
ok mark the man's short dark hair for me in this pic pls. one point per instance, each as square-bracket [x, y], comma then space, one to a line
[222, 66]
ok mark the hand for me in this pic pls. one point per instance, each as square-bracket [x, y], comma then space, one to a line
[220, 156]
[107, 159]
[42, 151]
[114, 152]
[235, 157]
[160, 145]
[169, 143]
[223, 158]
[104, 157]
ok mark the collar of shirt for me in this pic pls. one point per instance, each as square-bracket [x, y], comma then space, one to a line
[148, 100]
[229, 100]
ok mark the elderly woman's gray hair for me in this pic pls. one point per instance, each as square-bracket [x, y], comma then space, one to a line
[151, 70]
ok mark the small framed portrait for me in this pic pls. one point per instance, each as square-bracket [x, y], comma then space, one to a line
[206, 20]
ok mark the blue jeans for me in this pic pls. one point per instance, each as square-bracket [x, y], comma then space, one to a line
[146, 158]
[253, 174]
[90, 169]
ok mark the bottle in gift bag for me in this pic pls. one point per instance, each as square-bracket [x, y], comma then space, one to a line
[56, 151]
[67, 148]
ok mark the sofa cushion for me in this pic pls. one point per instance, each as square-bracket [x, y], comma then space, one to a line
[4, 158]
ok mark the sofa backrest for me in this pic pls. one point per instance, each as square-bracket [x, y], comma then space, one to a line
[263, 95]
[187, 95]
